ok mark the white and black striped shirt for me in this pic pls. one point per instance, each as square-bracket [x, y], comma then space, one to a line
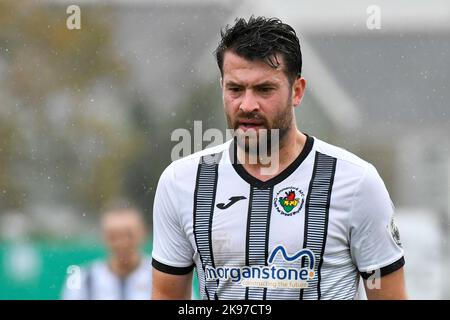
[99, 282]
[307, 233]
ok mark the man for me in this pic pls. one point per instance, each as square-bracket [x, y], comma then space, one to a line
[125, 275]
[307, 230]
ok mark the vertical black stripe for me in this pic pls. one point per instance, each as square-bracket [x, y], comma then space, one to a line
[266, 246]
[122, 285]
[316, 218]
[195, 226]
[305, 233]
[260, 208]
[247, 237]
[216, 175]
[204, 199]
[89, 293]
[330, 187]
[195, 233]
[249, 216]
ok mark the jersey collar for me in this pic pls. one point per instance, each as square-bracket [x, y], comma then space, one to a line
[239, 168]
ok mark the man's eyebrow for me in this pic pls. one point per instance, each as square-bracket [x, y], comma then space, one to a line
[232, 83]
[266, 84]
[261, 84]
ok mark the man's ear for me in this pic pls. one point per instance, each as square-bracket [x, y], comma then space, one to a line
[298, 91]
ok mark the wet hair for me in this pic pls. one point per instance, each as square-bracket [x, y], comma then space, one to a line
[262, 38]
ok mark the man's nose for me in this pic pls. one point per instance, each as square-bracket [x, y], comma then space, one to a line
[249, 102]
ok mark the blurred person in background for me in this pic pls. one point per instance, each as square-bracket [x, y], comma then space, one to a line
[125, 274]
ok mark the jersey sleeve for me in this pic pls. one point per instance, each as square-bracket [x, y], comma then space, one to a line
[172, 252]
[374, 239]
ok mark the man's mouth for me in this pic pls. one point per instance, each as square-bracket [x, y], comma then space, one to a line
[250, 124]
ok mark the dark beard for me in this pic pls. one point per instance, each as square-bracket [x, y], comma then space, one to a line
[282, 123]
[260, 149]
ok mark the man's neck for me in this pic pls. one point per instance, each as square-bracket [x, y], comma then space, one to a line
[289, 149]
[123, 268]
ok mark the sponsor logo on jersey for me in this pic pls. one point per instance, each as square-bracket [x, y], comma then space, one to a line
[289, 201]
[284, 272]
[231, 200]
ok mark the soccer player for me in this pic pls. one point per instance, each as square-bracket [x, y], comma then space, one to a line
[125, 274]
[307, 230]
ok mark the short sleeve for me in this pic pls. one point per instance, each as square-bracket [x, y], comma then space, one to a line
[374, 239]
[172, 252]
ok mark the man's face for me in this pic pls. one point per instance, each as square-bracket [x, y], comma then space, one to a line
[256, 96]
[123, 233]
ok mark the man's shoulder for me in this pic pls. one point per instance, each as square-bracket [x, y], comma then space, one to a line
[352, 167]
[195, 157]
[188, 164]
[94, 267]
[342, 155]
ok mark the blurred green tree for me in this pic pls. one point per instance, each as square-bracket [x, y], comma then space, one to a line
[55, 146]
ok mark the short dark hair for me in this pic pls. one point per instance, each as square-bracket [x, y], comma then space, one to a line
[262, 38]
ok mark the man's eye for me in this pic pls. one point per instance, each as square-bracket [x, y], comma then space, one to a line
[234, 89]
[265, 89]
